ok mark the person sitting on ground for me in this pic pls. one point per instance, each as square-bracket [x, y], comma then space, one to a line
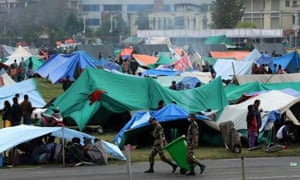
[173, 85]
[285, 134]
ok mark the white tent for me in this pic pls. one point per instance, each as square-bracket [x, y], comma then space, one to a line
[13, 136]
[272, 100]
[5, 79]
[227, 68]
[17, 55]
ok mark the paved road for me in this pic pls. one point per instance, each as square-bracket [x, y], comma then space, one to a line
[226, 169]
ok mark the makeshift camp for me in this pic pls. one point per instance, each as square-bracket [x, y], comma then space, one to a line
[61, 65]
[171, 116]
[108, 64]
[28, 87]
[98, 89]
[13, 136]
[268, 78]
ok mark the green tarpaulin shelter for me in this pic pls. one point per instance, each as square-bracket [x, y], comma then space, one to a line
[222, 39]
[129, 93]
[162, 60]
[234, 92]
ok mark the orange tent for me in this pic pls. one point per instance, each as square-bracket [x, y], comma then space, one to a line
[145, 60]
[238, 55]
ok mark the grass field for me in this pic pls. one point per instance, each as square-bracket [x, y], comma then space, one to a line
[50, 91]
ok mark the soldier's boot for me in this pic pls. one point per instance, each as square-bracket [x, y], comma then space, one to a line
[191, 172]
[150, 170]
[174, 166]
[202, 167]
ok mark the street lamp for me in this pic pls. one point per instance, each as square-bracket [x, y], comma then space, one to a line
[111, 22]
[296, 26]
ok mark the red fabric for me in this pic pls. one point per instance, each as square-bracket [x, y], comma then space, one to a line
[183, 64]
[95, 96]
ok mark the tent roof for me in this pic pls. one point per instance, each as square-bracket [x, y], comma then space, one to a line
[5, 79]
[13, 136]
[28, 87]
[226, 68]
[170, 112]
[61, 65]
[237, 113]
[145, 60]
[268, 78]
[222, 39]
[289, 62]
[138, 93]
[238, 55]
[18, 54]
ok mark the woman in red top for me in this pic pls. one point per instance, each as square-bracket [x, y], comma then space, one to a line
[252, 126]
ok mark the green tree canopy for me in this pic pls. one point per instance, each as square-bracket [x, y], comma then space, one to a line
[226, 13]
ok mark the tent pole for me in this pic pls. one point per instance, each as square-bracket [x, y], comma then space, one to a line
[63, 145]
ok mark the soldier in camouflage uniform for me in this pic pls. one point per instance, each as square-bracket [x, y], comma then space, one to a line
[192, 143]
[159, 142]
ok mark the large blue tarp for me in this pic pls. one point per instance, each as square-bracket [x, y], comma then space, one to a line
[290, 62]
[28, 87]
[62, 65]
[170, 112]
[264, 59]
[160, 72]
[108, 64]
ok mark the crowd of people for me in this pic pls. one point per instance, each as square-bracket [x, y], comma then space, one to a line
[46, 149]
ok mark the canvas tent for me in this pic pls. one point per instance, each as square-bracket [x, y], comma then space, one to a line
[238, 55]
[61, 65]
[290, 62]
[237, 113]
[234, 92]
[145, 60]
[28, 87]
[268, 78]
[137, 93]
[227, 68]
[168, 114]
[221, 39]
[17, 55]
[13, 136]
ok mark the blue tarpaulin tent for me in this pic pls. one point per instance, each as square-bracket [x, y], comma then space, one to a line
[290, 62]
[62, 65]
[170, 112]
[264, 59]
[28, 87]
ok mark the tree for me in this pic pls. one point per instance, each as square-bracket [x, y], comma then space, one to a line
[142, 21]
[226, 13]
[242, 25]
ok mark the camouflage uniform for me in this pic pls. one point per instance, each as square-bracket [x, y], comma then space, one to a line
[192, 143]
[159, 140]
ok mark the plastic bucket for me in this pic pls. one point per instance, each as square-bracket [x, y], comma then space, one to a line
[178, 151]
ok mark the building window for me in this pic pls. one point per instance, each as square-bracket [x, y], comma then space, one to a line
[294, 2]
[167, 7]
[287, 3]
[92, 22]
[136, 8]
[179, 22]
[112, 8]
[90, 8]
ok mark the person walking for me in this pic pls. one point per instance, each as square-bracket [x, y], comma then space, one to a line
[192, 143]
[159, 141]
